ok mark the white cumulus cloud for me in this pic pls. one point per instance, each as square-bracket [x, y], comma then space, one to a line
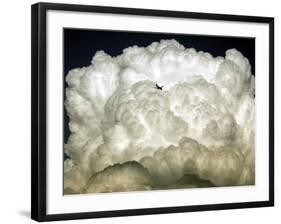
[201, 123]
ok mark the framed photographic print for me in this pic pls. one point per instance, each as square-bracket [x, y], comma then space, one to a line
[139, 111]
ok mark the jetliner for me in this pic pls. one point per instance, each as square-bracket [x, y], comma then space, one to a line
[158, 87]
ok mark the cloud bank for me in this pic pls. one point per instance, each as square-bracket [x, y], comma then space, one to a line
[201, 124]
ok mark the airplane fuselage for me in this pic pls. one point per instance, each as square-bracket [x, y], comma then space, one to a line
[158, 87]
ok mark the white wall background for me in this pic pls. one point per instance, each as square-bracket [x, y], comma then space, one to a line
[15, 110]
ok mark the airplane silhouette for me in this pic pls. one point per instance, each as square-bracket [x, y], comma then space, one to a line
[158, 87]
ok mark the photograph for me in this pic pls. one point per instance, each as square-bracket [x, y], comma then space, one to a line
[136, 112]
[152, 111]
[147, 111]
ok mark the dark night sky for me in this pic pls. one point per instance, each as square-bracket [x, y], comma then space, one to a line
[81, 45]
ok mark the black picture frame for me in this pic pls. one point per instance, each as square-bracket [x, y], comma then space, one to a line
[39, 114]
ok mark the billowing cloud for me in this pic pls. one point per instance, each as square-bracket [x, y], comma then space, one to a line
[129, 176]
[202, 123]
